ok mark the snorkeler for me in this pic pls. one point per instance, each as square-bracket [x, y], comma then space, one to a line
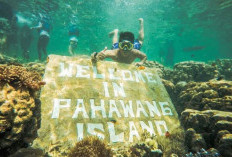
[126, 53]
[73, 34]
[43, 28]
[137, 42]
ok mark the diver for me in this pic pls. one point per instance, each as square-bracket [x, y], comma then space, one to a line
[125, 53]
[137, 42]
[73, 41]
[25, 40]
[43, 28]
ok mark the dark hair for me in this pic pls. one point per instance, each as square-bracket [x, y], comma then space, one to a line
[126, 36]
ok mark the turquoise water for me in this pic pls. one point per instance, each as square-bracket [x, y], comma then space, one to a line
[175, 30]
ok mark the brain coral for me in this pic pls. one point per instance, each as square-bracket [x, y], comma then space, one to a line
[18, 120]
[19, 110]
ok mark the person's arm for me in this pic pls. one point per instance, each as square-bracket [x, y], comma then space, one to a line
[103, 54]
[142, 56]
[141, 31]
[37, 27]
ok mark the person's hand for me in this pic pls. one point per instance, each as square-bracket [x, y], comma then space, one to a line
[98, 56]
[104, 49]
[140, 20]
[93, 56]
[101, 55]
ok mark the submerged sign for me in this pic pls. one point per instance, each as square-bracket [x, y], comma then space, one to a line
[114, 101]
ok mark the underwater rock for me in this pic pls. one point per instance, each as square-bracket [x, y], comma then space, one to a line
[215, 95]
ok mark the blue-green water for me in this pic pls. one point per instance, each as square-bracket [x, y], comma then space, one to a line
[175, 30]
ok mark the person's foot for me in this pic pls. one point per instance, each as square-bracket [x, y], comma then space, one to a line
[140, 20]
[115, 31]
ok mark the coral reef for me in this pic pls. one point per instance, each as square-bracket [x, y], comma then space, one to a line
[28, 152]
[202, 128]
[191, 71]
[19, 117]
[154, 64]
[8, 60]
[194, 141]
[34, 66]
[215, 95]
[19, 109]
[172, 145]
[91, 147]
[202, 104]
[20, 76]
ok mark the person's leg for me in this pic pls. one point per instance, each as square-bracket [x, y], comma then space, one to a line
[141, 31]
[39, 48]
[45, 44]
[70, 49]
[114, 33]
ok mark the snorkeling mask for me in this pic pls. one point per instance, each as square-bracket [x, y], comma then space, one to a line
[125, 45]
